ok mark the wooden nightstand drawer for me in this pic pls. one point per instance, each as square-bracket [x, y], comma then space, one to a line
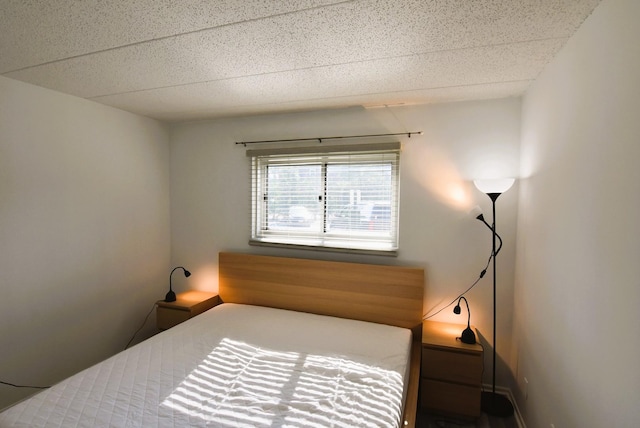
[450, 397]
[450, 372]
[452, 366]
[167, 318]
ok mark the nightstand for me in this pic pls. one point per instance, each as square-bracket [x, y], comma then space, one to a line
[187, 305]
[451, 371]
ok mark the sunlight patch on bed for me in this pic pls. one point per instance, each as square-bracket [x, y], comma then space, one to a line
[239, 384]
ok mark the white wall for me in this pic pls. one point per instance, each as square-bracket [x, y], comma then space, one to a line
[577, 295]
[84, 232]
[210, 195]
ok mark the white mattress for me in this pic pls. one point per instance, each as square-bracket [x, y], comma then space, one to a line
[237, 366]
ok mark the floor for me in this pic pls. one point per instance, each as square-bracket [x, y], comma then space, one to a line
[426, 420]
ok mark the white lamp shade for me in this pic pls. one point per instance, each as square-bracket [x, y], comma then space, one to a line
[475, 212]
[499, 185]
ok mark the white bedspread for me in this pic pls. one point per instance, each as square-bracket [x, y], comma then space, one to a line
[237, 366]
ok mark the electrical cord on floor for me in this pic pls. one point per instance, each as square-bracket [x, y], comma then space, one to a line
[482, 274]
[141, 327]
[23, 386]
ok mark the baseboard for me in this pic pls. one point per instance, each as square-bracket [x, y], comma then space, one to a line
[509, 394]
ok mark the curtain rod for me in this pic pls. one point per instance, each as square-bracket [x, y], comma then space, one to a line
[320, 139]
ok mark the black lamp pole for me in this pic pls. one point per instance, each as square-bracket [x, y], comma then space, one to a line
[492, 403]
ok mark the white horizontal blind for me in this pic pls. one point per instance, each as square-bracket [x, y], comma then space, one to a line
[346, 200]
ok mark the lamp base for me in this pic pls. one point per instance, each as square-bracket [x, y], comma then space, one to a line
[170, 297]
[468, 336]
[495, 404]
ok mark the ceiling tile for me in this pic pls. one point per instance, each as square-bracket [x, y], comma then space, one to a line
[201, 56]
[40, 31]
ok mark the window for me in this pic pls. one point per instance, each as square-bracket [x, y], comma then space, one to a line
[328, 199]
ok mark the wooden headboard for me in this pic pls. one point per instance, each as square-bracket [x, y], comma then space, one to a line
[382, 294]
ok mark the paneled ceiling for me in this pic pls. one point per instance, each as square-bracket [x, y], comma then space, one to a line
[194, 59]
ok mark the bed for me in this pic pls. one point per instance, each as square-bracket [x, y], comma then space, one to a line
[294, 343]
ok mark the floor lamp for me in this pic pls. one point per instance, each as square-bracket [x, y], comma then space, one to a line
[495, 404]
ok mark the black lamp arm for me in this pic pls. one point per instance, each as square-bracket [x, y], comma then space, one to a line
[468, 311]
[171, 276]
[481, 218]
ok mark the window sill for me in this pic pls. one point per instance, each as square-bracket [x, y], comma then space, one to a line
[312, 247]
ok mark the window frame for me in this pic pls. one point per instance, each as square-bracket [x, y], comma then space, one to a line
[383, 242]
